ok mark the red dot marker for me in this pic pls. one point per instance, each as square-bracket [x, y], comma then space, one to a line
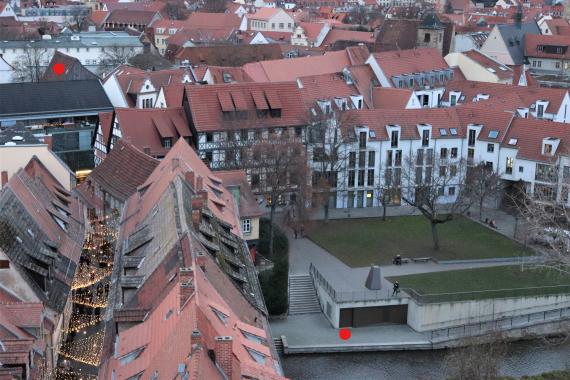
[58, 68]
[344, 333]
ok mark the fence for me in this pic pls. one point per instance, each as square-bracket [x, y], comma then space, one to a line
[507, 323]
[346, 296]
[487, 294]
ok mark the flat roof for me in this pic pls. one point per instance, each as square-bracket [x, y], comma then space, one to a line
[77, 40]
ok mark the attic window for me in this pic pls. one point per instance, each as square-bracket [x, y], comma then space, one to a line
[221, 316]
[168, 314]
[372, 134]
[60, 223]
[513, 141]
[502, 68]
[442, 131]
[490, 69]
[493, 134]
[453, 131]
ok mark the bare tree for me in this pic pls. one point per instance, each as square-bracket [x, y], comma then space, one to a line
[278, 165]
[30, 65]
[327, 139]
[176, 10]
[437, 191]
[214, 6]
[483, 183]
[388, 188]
[547, 218]
[478, 360]
[115, 55]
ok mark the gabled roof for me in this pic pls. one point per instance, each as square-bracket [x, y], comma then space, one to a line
[534, 46]
[41, 222]
[410, 61]
[35, 100]
[130, 16]
[264, 14]
[221, 74]
[495, 67]
[213, 20]
[529, 133]
[229, 55]
[325, 86]
[391, 98]
[208, 104]
[339, 35]
[514, 36]
[293, 68]
[74, 70]
[123, 170]
[145, 128]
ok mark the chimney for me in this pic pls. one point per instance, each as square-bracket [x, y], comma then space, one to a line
[189, 177]
[186, 277]
[199, 184]
[4, 176]
[49, 141]
[223, 351]
[175, 163]
[201, 261]
[374, 279]
[146, 150]
[196, 339]
[196, 218]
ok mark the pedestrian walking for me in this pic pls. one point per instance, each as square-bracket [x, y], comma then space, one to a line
[396, 288]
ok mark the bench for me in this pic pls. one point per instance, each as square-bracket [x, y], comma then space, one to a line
[421, 259]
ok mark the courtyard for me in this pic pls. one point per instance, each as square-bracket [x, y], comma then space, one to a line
[361, 242]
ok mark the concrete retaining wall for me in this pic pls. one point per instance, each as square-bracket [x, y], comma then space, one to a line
[442, 315]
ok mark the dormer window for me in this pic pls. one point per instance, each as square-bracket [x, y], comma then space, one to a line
[394, 137]
[547, 148]
[167, 142]
[425, 137]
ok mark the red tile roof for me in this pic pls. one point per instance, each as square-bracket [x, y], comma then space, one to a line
[265, 13]
[123, 170]
[213, 20]
[410, 61]
[533, 42]
[293, 68]
[128, 16]
[219, 74]
[325, 86]
[207, 104]
[145, 128]
[248, 206]
[500, 70]
[337, 35]
[529, 134]
[390, 98]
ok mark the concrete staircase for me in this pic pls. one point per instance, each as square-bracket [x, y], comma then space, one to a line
[302, 295]
[278, 342]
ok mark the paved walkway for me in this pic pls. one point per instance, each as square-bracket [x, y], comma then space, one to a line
[313, 333]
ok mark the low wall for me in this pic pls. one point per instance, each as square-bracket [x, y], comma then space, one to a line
[432, 316]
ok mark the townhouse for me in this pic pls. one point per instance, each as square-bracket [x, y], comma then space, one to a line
[548, 54]
[270, 20]
[41, 238]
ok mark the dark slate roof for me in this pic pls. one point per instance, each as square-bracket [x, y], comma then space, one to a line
[74, 70]
[36, 100]
[431, 21]
[513, 35]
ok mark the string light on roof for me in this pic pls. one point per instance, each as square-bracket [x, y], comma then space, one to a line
[88, 275]
[80, 321]
[85, 350]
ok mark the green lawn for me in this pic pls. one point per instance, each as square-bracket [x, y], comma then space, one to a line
[490, 282]
[361, 242]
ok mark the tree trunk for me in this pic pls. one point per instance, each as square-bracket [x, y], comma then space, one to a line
[383, 211]
[434, 236]
[326, 209]
[271, 217]
[481, 209]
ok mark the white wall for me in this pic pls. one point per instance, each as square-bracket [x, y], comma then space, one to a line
[442, 315]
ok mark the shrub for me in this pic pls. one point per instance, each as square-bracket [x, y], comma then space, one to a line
[280, 242]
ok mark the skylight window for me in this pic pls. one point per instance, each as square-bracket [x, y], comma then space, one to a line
[253, 337]
[493, 134]
[221, 316]
[490, 69]
[443, 131]
[513, 141]
[453, 131]
[131, 356]
[502, 68]
[372, 134]
[257, 356]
